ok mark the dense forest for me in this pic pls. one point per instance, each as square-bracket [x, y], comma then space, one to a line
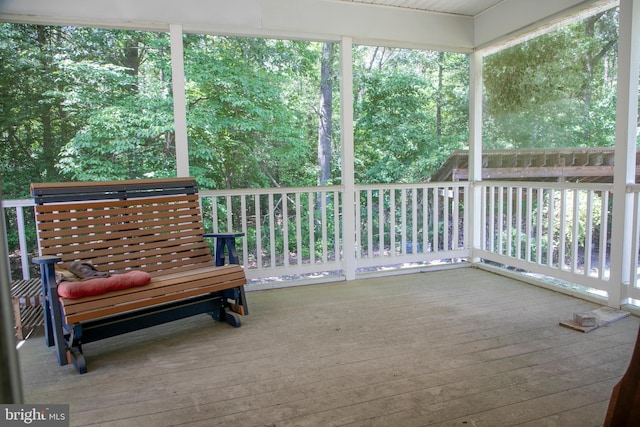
[557, 90]
[88, 103]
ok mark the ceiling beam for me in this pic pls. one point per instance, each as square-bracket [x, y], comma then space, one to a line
[318, 20]
[513, 20]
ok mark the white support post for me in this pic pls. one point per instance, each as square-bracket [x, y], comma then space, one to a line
[475, 154]
[179, 100]
[11, 381]
[348, 174]
[625, 149]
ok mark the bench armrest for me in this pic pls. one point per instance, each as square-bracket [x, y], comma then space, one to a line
[222, 241]
[47, 270]
[46, 259]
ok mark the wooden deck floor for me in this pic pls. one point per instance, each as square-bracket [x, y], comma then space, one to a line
[450, 348]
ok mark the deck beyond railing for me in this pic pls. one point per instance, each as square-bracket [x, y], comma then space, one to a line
[560, 231]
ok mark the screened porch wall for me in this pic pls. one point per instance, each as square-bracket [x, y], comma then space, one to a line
[489, 216]
[294, 235]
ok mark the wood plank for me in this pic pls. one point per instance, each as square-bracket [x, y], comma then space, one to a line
[101, 210]
[96, 219]
[56, 231]
[159, 286]
[439, 348]
[152, 241]
[117, 183]
[98, 205]
[160, 291]
[146, 246]
[156, 301]
[155, 260]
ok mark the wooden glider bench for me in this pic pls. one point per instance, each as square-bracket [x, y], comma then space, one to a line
[153, 226]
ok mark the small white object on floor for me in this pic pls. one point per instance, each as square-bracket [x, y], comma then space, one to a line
[590, 320]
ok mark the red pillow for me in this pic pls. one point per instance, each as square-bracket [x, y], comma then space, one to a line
[101, 285]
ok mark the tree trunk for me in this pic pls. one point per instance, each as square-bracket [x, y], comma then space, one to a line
[324, 119]
[49, 156]
[439, 99]
[132, 59]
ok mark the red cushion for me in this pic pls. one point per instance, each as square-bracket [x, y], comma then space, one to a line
[101, 285]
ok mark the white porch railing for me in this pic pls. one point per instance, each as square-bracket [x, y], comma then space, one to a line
[15, 213]
[288, 231]
[410, 223]
[633, 289]
[557, 230]
[297, 232]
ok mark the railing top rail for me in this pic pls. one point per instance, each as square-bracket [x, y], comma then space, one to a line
[450, 184]
[549, 185]
[633, 188]
[17, 203]
[12, 203]
[273, 190]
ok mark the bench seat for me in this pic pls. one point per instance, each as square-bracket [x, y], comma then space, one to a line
[154, 226]
[161, 290]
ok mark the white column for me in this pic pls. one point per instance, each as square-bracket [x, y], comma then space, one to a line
[11, 382]
[179, 100]
[625, 148]
[348, 174]
[475, 153]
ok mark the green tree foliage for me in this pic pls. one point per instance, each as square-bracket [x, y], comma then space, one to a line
[96, 104]
[250, 116]
[86, 103]
[556, 90]
[33, 120]
[411, 110]
[119, 89]
[80, 104]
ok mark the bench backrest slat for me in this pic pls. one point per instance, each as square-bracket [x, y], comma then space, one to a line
[48, 192]
[155, 231]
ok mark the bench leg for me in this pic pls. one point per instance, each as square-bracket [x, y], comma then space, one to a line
[46, 307]
[232, 318]
[222, 313]
[242, 302]
[54, 330]
[236, 300]
[18, 319]
[74, 350]
[78, 361]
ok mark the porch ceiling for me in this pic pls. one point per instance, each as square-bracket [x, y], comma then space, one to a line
[456, 7]
[449, 25]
